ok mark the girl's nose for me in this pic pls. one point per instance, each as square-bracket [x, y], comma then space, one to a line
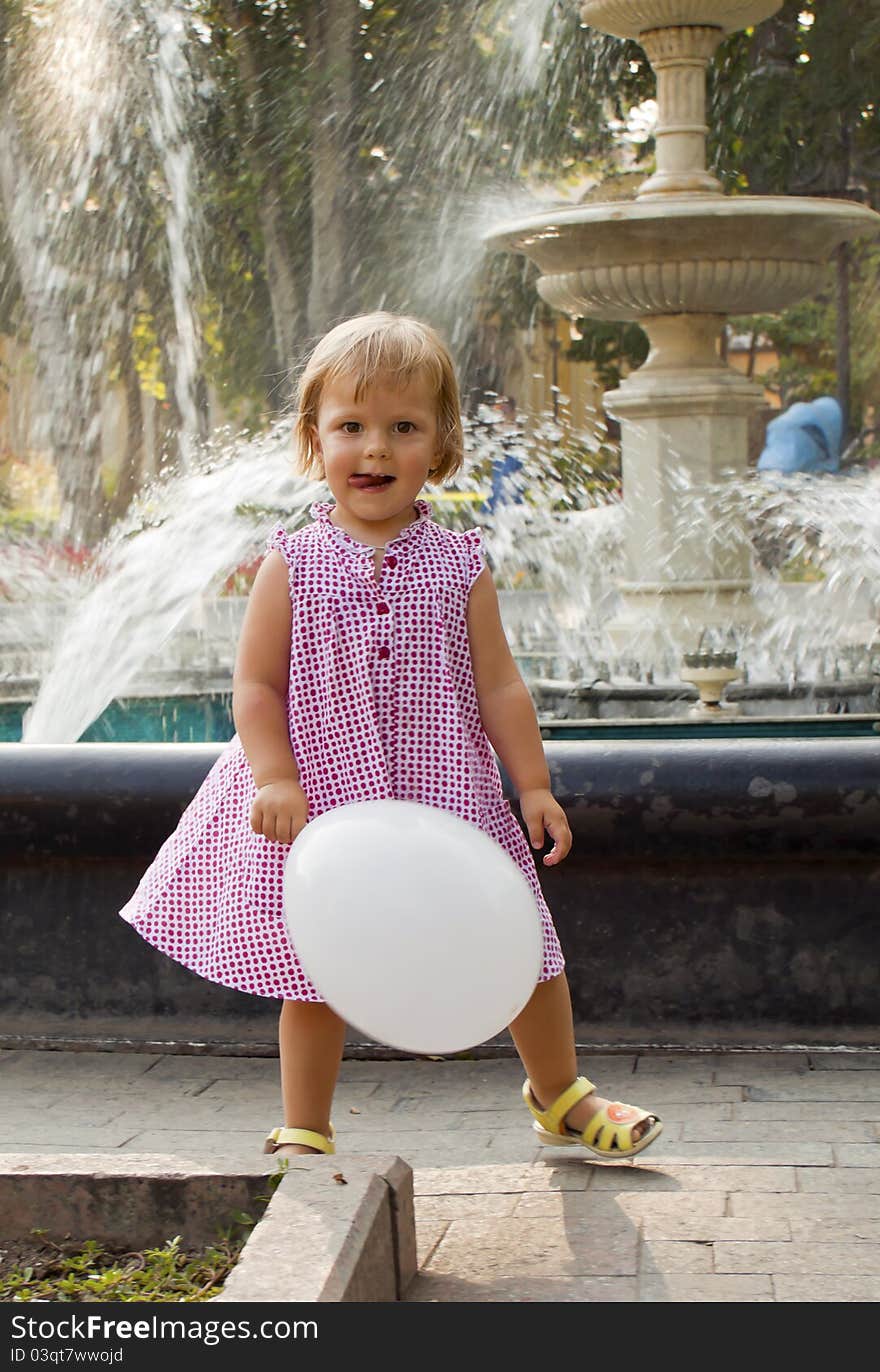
[376, 445]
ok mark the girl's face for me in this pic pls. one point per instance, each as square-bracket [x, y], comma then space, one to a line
[377, 451]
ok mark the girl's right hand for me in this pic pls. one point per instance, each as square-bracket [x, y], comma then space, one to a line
[280, 810]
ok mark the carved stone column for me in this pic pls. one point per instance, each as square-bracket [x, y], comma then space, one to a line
[680, 58]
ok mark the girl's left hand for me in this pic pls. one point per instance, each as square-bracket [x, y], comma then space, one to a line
[541, 812]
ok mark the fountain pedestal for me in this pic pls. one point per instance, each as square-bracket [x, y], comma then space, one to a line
[684, 420]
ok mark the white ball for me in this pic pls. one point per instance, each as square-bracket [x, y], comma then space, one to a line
[416, 927]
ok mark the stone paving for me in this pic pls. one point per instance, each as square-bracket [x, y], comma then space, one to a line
[765, 1185]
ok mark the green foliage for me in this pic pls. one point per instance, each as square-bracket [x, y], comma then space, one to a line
[91, 1272]
[794, 105]
[804, 337]
[614, 348]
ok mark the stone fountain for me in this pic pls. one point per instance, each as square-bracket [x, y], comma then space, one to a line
[679, 258]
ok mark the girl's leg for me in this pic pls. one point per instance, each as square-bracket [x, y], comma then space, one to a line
[311, 1037]
[544, 1036]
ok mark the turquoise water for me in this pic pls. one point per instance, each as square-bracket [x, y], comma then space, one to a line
[145, 719]
[208, 719]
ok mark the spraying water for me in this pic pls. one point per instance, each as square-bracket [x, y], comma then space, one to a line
[181, 537]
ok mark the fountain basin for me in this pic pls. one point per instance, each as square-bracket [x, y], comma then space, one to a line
[725, 885]
[631, 18]
[689, 254]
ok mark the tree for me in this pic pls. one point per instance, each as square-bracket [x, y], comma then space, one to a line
[794, 109]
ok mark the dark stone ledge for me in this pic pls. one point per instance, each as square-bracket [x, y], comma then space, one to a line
[711, 883]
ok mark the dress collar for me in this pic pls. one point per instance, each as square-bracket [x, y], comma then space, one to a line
[322, 509]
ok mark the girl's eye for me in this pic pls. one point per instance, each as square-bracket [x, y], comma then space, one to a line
[405, 426]
[351, 426]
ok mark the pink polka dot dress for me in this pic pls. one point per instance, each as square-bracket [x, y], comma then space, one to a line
[382, 705]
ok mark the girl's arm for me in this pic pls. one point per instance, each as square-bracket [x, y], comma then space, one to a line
[510, 722]
[260, 686]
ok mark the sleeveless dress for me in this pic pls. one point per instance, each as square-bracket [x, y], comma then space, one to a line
[382, 706]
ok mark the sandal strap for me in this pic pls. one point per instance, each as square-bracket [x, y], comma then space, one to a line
[309, 1138]
[552, 1119]
[604, 1131]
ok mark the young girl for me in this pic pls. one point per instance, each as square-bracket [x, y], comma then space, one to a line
[372, 665]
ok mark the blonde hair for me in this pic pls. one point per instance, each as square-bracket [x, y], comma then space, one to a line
[373, 346]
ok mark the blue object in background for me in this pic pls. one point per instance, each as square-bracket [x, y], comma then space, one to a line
[804, 438]
[505, 488]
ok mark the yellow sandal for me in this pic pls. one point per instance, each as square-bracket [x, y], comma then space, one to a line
[309, 1138]
[608, 1134]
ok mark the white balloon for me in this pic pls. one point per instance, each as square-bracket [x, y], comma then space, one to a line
[415, 926]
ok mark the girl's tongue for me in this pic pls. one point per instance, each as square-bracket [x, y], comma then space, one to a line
[363, 481]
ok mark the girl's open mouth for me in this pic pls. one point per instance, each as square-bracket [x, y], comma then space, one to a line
[365, 481]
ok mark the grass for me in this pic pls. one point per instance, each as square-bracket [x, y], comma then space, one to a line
[42, 1270]
[89, 1272]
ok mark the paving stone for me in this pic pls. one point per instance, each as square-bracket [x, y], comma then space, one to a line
[47, 1068]
[743, 1068]
[657, 1287]
[635, 1204]
[141, 1089]
[696, 1111]
[821, 1259]
[509, 1247]
[596, 1065]
[831, 1086]
[24, 1119]
[857, 1154]
[192, 1142]
[714, 1228]
[70, 1137]
[508, 1100]
[676, 1178]
[825, 1288]
[696, 1205]
[651, 1078]
[795, 1153]
[828, 1229]
[453, 1142]
[423, 1154]
[230, 1091]
[812, 1111]
[372, 1119]
[447, 1208]
[46, 1148]
[780, 1131]
[675, 1257]
[42, 1098]
[509, 1111]
[689, 1064]
[432, 1287]
[845, 1062]
[660, 1095]
[188, 1114]
[833, 1179]
[808, 1207]
[461, 1181]
[564, 1210]
[179, 1067]
[429, 1232]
